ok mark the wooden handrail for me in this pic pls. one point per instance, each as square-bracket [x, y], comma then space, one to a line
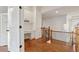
[61, 31]
[65, 32]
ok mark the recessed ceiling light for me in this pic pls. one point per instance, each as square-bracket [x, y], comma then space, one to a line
[57, 11]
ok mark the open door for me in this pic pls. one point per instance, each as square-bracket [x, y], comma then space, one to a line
[15, 24]
[13, 20]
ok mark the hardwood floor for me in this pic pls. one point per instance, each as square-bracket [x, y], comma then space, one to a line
[40, 45]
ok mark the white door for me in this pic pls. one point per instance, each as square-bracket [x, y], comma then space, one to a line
[16, 33]
[13, 20]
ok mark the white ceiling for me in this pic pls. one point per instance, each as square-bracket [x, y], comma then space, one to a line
[50, 11]
[3, 9]
[48, 8]
[29, 8]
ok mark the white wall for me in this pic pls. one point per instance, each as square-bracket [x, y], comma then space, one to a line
[33, 14]
[73, 19]
[28, 15]
[57, 23]
[3, 28]
[37, 23]
[27, 27]
[0, 27]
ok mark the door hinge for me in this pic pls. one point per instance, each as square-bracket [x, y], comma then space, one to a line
[20, 26]
[20, 7]
[20, 46]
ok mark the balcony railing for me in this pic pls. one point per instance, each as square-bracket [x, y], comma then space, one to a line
[70, 38]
